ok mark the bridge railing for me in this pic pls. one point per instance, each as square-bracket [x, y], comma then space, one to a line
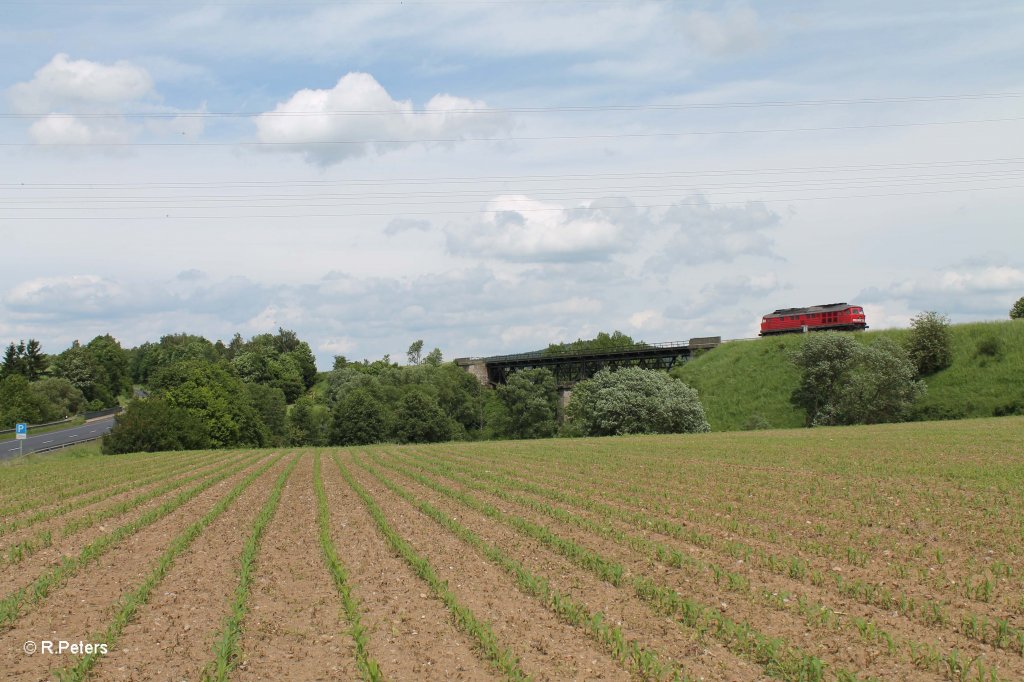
[546, 355]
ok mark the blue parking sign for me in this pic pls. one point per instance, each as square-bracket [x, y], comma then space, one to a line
[20, 431]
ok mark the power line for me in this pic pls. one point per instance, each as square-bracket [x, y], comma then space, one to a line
[545, 192]
[462, 179]
[537, 138]
[477, 212]
[525, 110]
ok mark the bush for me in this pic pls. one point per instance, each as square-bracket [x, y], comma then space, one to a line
[1017, 311]
[153, 425]
[308, 423]
[1011, 408]
[419, 419]
[989, 347]
[358, 419]
[59, 396]
[269, 403]
[634, 400]
[531, 402]
[214, 394]
[930, 343]
[843, 382]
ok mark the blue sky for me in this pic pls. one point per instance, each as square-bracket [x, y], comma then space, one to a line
[493, 176]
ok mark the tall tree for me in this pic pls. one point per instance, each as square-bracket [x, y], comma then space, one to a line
[36, 361]
[415, 352]
[531, 400]
[12, 361]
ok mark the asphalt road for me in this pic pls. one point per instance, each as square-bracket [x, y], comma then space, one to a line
[11, 448]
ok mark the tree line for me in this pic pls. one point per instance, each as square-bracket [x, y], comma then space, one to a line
[266, 391]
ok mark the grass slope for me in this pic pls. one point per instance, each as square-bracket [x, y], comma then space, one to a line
[747, 384]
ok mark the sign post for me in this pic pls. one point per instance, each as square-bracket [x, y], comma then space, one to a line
[21, 433]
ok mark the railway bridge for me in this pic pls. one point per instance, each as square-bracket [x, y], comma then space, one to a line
[572, 366]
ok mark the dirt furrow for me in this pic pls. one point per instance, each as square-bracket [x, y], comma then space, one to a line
[294, 627]
[412, 636]
[172, 636]
[97, 480]
[56, 523]
[84, 604]
[466, 570]
[834, 647]
[25, 571]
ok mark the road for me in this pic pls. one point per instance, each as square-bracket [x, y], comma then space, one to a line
[11, 448]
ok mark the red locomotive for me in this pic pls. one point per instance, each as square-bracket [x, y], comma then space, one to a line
[834, 316]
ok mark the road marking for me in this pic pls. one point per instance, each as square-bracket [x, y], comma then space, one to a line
[47, 441]
[93, 431]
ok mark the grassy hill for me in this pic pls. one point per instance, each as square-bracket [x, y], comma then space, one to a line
[747, 384]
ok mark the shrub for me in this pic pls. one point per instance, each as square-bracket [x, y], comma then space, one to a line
[419, 419]
[358, 419]
[531, 401]
[1017, 311]
[634, 400]
[843, 382]
[154, 425]
[930, 342]
[989, 347]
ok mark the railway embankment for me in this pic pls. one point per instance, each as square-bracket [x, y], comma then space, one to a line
[745, 385]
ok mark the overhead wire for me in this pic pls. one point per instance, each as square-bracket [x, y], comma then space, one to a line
[468, 179]
[533, 138]
[522, 110]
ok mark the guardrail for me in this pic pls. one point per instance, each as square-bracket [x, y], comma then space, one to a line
[96, 414]
[64, 444]
[39, 426]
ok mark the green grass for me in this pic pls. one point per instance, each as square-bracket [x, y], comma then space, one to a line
[747, 384]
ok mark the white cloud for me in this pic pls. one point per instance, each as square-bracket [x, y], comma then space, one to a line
[649, 319]
[338, 346]
[966, 290]
[519, 228]
[703, 233]
[83, 102]
[66, 84]
[358, 117]
[725, 33]
[68, 129]
[86, 294]
[397, 226]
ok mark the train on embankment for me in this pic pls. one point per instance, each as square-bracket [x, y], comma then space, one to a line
[831, 316]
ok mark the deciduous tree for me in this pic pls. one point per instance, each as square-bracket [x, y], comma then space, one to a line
[634, 400]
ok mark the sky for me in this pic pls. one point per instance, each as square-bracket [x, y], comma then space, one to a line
[493, 176]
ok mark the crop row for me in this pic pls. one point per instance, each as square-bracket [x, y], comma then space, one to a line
[977, 584]
[816, 614]
[994, 630]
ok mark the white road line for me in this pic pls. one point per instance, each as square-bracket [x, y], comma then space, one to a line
[47, 441]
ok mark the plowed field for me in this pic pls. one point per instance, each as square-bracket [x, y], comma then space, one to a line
[889, 553]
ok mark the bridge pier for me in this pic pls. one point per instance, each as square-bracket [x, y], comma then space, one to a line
[475, 366]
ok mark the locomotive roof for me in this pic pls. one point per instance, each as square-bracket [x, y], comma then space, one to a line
[826, 308]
